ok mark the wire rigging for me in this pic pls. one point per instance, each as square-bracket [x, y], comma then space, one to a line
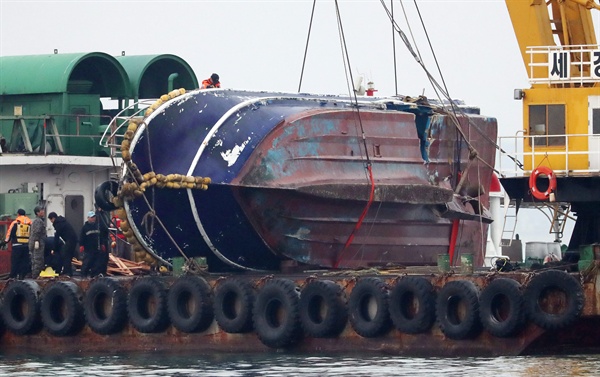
[312, 13]
[369, 167]
[394, 52]
[437, 87]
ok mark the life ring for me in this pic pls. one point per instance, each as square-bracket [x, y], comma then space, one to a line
[189, 304]
[275, 313]
[323, 311]
[21, 307]
[501, 307]
[104, 193]
[61, 309]
[105, 306]
[412, 305]
[457, 309]
[535, 192]
[234, 300]
[368, 307]
[540, 303]
[147, 305]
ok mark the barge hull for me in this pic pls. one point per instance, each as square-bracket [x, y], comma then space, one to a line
[582, 334]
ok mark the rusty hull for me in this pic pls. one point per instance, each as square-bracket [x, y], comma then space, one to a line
[306, 191]
[290, 180]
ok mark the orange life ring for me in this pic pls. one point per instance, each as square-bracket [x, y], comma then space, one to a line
[535, 192]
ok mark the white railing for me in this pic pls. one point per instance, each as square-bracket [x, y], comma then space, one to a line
[571, 64]
[587, 145]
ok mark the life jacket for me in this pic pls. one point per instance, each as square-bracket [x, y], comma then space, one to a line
[22, 225]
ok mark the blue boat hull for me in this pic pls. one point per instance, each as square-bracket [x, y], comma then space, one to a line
[290, 181]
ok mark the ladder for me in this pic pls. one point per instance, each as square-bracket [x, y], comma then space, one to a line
[509, 226]
[560, 214]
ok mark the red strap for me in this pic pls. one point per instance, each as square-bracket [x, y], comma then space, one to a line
[360, 219]
[453, 235]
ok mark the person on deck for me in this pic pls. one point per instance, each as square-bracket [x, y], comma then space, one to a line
[93, 241]
[104, 223]
[18, 234]
[212, 82]
[119, 245]
[65, 242]
[37, 242]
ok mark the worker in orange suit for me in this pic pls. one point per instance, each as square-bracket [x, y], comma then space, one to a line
[18, 234]
[212, 82]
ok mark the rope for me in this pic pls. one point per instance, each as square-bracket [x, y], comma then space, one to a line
[152, 213]
[439, 88]
[394, 50]
[148, 222]
[312, 13]
[368, 164]
[360, 219]
[141, 182]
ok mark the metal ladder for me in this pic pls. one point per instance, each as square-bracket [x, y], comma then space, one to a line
[510, 220]
[560, 214]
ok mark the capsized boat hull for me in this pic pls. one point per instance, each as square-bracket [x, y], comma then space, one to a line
[290, 180]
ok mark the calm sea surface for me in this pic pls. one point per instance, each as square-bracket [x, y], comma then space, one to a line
[295, 365]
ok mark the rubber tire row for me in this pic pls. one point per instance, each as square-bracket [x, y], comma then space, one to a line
[320, 310]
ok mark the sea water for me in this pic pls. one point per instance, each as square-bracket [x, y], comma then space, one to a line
[270, 364]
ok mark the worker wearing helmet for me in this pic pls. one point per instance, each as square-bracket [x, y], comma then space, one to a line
[18, 234]
[212, 82]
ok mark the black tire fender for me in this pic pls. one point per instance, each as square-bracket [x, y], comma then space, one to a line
[61, 309]
[234, 300]
[323, 311]
[21, 307]
[541, 287]
[412, 305]
[147, 305]
[501, 307]
[457, 309]
[104, 193]
[275, 313]
[368, 308]
[105, 306]
[190, 304]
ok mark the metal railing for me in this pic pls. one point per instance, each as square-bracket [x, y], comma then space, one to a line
[582, 63]
[567, 159]
[48, 125]
[113, 136]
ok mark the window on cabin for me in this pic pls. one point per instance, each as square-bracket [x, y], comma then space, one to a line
[596, 121]
[545, 121]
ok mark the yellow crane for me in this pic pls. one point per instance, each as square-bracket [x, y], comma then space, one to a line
[560, 139]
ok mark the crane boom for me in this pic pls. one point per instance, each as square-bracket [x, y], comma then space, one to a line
[552, 23]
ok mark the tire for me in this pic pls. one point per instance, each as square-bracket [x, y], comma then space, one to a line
[147, 305]
[536, 299]
[457, 309]
[501, 308]
[234, 300]
[189, 304]
[412, 305]
[104, 193]
[61, 309]
[275, 313]
[21, 307]
[105, 306]
[323, 311]
[368, 307]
